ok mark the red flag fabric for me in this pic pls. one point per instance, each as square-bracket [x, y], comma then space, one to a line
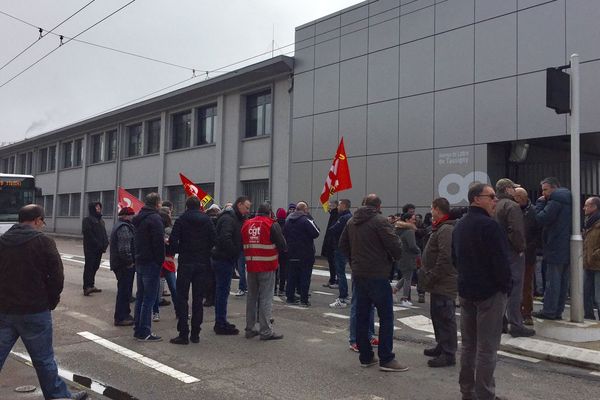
[338, 178]
[192, 189]
[126, 199]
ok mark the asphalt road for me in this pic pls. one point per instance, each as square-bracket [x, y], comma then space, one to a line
[313, 360]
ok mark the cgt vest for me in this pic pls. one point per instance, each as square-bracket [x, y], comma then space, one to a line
[261, 254]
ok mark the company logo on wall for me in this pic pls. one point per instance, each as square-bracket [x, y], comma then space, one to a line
[455, 187]
[456, 166]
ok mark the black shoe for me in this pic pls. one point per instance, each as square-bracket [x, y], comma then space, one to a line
[295, 302]
[251, 333]
[96, 290]
[88, 291]
[305, 305]
[164, 302]
[541, 315]
[208, 303]
[433, 352]
[79, 395]
[443, 360]
[273, 336]
[195, 338]
[421, 298]
[125, 322]
[226, 330]
[180, 340]
[521, 332]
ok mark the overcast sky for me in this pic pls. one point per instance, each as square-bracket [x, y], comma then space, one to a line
[79, 80]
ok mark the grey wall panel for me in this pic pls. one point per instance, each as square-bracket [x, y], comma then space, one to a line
[384, 16]
[496, 111]
[328, 25]
[590, 87]
[385, 34]
[454, 117]
[280, 170]
[541, 41]
[46, 182]
[534, 119]
[325, 136]
[71, 225]
[353, 127]
[254, 173]
[305, 33]
[485, 9]
[302, 139]
[382, 127]
[69, 180]
[304, 94]
[383, 75]
[327, 52]
[304, 57]
[255, 152]
[353, 82]
[415, 178]
[197, 164]
[354, 27]
[416, 25]
[416, 122]
[381, 176]
[355, 15]
[300, 181]
[327, 82]
[583, 29]
[480, 158]
[327, 36]
[453, 14]
[101, 177]
[417, 67]
[411, 6]
[496, 48]
[354, 44]
[378, 7]
[454, 59]
[232, 132]
[529, 3]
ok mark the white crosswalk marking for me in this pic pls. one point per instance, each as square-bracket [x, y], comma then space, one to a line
[518, 357]
[334, 315]
[418, 322]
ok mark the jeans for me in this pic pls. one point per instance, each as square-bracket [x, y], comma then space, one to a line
[171, 283]
[148, 281]
[259, 303]
[340, 268]
[352, 336]
[299, 275]
[557, 287]
[374, 291]
[591, 292]
[125, 278]
[241, 270]
[92, 263]
[223, 273]
[35, 331]
[198, 277]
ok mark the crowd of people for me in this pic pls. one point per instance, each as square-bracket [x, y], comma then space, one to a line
[482, 258]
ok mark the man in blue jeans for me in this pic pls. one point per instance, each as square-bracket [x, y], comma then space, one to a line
[31, 280]
[371, 244]
[149, 257]
[225, 255]
[340, 260]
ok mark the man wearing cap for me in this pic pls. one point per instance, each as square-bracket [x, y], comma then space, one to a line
[122, 263]
[510, 218]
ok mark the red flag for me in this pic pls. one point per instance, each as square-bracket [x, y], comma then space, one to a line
[192, 189]
[338, 178]
[126, 199]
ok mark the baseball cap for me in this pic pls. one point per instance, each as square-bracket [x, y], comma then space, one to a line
[505, 183]
[214, 207]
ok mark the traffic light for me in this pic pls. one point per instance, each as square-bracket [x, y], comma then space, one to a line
[558, 90]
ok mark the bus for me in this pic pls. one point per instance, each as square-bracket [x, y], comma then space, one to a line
[15, 192]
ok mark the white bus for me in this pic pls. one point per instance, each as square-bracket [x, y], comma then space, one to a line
[15, 192]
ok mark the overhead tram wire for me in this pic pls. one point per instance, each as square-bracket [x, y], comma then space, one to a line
[42, 35]
[62, 44]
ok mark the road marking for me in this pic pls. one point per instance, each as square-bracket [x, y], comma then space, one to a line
[418, 322]
[330, 332]
[519, 357]
[323, 293]
[296, 307]
[395, 327]
[398, 308]
[183, 377]
[595, 373]
[98, 323]
[277, 298]
[551, 350]
[334, 315]
[319, 272]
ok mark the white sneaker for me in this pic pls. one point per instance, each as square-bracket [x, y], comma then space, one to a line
[406, 303]
[339, 303]
[155, 317]
[240, 293]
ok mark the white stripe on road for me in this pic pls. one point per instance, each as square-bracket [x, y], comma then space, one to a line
[183, 377]
[296, 307]
[323, 293]
[519, 357]
[398, 308]
[334, 315]
[595, 373]
[319, 272]
[418, 322]
[395, 327]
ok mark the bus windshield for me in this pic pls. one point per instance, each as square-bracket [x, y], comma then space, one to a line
[15, 192]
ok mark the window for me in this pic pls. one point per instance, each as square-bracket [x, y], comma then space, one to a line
[258, 114]
[134, 140]
[5, 166]
[22, 163]
[75, 204]
[177, 196]
[29, 170]
[96, 142]
[43, 160]
[67, 155]
[153, 136]
[257, 191]
[108, 202]
[48, 205]
[182, 128]
[147, 191]
[93, 197]
[11, 165]
[206, 125]
[63, 205]
[111, 145]
[51, 158]
[78, 154]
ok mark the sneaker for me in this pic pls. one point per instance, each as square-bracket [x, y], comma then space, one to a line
[273, 336]
[421, 297]
[155, 317]
[339, 303]
[305, 305]
[521, 332]
[374, 342]
[251, 333]
[150, 338]
[374, 361]
[405, 303]
[226, 330]
[79, 395]
[240, 293]
[354, 347]
[334, 286]
[164, 302]
[179, 340]
[393, 366]
[443, 360]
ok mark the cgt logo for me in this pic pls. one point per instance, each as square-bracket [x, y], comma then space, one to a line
[254, 230]
[455, 187]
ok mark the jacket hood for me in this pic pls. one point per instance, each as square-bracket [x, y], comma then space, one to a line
[295, 216]
[92, 209]
[228, 211]
[562, 195]
[19, 234]
[281, 213]
[505, 196]
[142, 215]
[363, 214]
[405, 225]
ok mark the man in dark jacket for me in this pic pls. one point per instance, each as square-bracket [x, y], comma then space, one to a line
[193, 237]
[329, 246]
[335, 232]
[510, 218]
[591, 256]
[553, 213]
[122, 263]
[438, 277]
[31, 280]
[481, 256]
[225, 254]
[371, 244]
[149, 257]
[300, 233]
[95, 242]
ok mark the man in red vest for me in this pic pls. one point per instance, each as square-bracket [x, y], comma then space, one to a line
[262, 239]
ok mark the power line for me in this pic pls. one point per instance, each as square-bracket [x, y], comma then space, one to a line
[61, 44]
